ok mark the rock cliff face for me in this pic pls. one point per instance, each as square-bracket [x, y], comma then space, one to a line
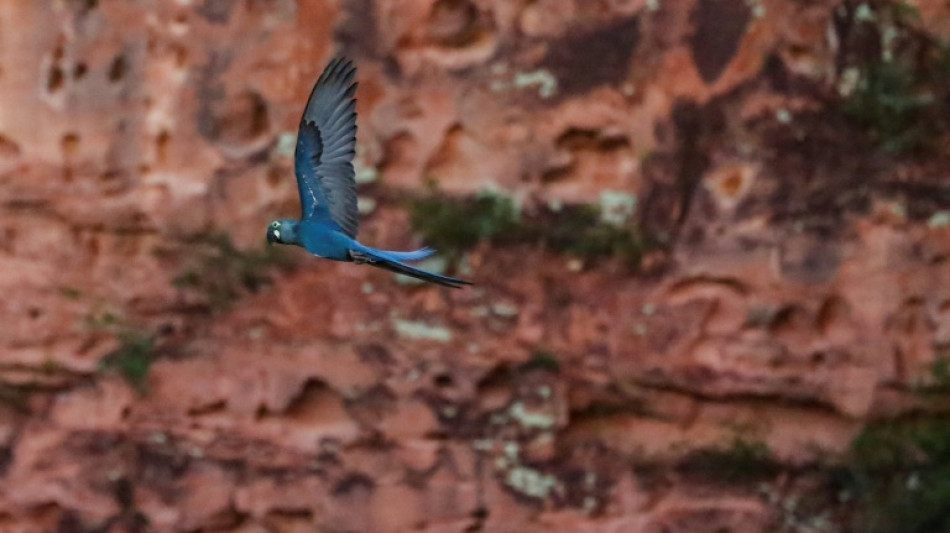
[782, 165]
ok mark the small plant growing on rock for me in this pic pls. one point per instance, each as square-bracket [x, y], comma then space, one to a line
[578, 230]
[16, 396]
[132, 358]
[939, 382]
[899, 77]
[888, 101]
[543, 360]
[135, 352]
[452, 225]
[740, 461]
[898, 470]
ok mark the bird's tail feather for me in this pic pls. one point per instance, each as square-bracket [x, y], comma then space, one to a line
[414, 255]
[377, 259]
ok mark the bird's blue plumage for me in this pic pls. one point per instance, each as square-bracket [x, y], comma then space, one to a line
[323, 164]
[326, 144]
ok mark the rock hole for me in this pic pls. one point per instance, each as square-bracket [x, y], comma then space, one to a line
[70, 145]
[557, 173]
[313, 394]
[56, 78]
[7, 238]
[181, 56]
[788, 318]
[587, 58]
[291, 515]
[34, 313]
[374, 354]
[124, 493]
[216, 11]
[400, 155]
[92, 246]
[69, 521]
[117, 69]
[454, 23]
[80, 70]
[718, 27]
[236, 121]
[111, 174]
[352, 483]
[8, 148]
[218, 406]
[258, 115]
[479, 515]
[575, 139]
[833, 311]
[161, 145]
[450, 149]
[443, 380]
[732, 182]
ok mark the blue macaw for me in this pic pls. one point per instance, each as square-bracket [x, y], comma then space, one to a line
[326, 141]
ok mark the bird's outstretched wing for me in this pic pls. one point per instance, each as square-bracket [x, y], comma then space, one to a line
[326, 144]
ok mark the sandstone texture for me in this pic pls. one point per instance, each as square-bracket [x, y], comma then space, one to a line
[795, 287]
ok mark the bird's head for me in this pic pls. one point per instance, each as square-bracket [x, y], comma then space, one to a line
[282, 231]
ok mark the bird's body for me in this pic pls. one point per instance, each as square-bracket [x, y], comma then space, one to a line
[326, 142]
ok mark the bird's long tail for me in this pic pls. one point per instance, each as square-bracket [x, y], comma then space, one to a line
[414, 255]
[392, 261]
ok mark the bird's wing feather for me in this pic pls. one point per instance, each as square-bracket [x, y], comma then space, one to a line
[326, 144]
[306, 160]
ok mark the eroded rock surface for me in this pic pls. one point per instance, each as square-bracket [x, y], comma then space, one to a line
[798, 282]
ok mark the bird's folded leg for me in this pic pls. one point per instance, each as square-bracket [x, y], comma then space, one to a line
[360, 258]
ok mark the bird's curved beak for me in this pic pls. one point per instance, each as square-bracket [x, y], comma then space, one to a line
[271, 238]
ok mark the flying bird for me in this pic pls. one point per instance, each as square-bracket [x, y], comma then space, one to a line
[323, 163]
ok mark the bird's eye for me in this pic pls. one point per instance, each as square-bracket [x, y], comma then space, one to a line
[275, 224]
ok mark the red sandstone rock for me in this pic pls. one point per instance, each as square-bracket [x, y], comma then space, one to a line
[334, 398]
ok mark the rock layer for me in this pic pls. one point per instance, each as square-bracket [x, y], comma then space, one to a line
[798, 286]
